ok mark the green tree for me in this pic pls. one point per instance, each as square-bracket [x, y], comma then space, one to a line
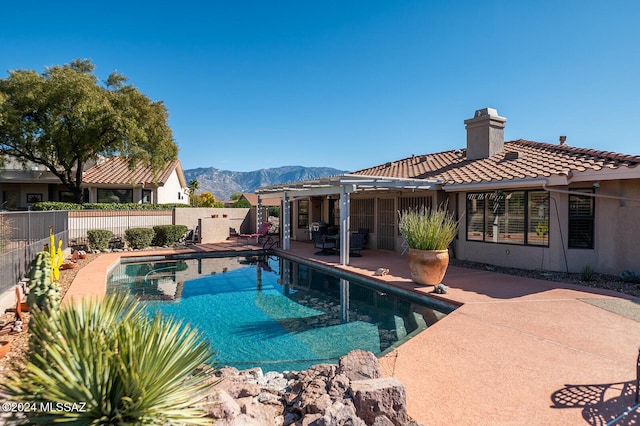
[64, 118]
[207, 199]
[193, 186]
[242, 203]
[236, 196]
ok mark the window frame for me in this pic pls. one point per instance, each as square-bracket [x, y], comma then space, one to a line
[127, 190]
[303, 214]
[591, 218]
[481, 198]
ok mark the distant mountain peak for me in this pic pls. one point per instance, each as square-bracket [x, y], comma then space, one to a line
[223, 183]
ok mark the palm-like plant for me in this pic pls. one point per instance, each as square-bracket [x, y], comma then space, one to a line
[128, 367]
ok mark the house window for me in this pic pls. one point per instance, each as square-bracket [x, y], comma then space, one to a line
[115, 196]
[66, 197]
[538, 218]
[334, 211]
[581, 220]
[146, 196]
[516, 217]
[303, 214]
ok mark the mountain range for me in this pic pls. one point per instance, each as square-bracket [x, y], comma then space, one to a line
[223, 183]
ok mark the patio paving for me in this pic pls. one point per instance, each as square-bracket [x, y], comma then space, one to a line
[517, 351]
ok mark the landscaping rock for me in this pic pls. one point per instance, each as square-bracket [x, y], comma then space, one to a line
[352, 393]
[222, 406]
[380, 397]
[359, 365]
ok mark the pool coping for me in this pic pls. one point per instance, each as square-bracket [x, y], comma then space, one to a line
[512, 352]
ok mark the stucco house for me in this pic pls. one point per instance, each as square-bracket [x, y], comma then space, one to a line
[108, 180]
[520, 203]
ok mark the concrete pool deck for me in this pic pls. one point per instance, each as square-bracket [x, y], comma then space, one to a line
[517, 350]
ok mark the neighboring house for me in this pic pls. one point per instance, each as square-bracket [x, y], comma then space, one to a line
[22, 186]
[110, 180]
[522, 204]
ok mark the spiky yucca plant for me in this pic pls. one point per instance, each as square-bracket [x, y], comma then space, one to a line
[428, 229]
[128, 367]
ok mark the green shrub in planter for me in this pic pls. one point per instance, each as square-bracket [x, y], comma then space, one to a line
[139, 238]
[167, 235]
[99, 239]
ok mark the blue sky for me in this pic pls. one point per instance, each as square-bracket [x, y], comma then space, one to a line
[351, 84]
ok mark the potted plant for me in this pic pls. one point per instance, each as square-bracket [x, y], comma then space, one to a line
[428, 233]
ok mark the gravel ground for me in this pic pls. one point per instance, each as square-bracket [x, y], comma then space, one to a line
[15, 358]
[609, 282]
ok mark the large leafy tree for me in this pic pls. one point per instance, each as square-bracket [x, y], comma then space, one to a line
[64, 118]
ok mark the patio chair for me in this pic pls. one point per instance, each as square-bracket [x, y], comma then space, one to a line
[261, 232]
[326, 245]
[356, 243]
[192, 236]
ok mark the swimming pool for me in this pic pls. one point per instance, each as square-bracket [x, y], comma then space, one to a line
[275, 313]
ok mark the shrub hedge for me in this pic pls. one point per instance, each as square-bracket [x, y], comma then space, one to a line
[166, 235]
[139, 238]
[57, 205]
[99, 238]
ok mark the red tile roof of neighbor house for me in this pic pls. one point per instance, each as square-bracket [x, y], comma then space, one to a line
[520, 159]
[116, 170]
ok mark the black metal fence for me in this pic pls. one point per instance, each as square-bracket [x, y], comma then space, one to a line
[116, 221]
[22, 235]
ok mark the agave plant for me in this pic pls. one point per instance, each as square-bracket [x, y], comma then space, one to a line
[127, 367]
[428, 229]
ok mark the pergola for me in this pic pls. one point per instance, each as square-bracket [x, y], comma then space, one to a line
[343, 185]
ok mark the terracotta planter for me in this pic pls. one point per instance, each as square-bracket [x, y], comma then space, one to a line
[428, 266]
[4, 347]
[69, 265]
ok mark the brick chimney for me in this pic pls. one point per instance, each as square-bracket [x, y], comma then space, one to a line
[485, 134]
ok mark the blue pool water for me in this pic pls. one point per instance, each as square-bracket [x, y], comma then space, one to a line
[274, 313]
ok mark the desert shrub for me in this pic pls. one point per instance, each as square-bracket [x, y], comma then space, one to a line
[44, 293]
[126, 366]
[629, 277]
[99, 238]
[586, 274]
[139, 238]
[428, 229]
[166, 235]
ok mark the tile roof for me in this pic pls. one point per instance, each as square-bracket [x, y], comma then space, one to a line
[520, 159]
[116, 170]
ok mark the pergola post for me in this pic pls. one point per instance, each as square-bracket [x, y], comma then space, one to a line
[259, 213]
[286, 225]
[344, 226]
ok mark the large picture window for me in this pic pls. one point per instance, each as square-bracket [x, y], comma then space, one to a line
[508, 217]
[581, 220]
[115, 195]
[303, 213]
